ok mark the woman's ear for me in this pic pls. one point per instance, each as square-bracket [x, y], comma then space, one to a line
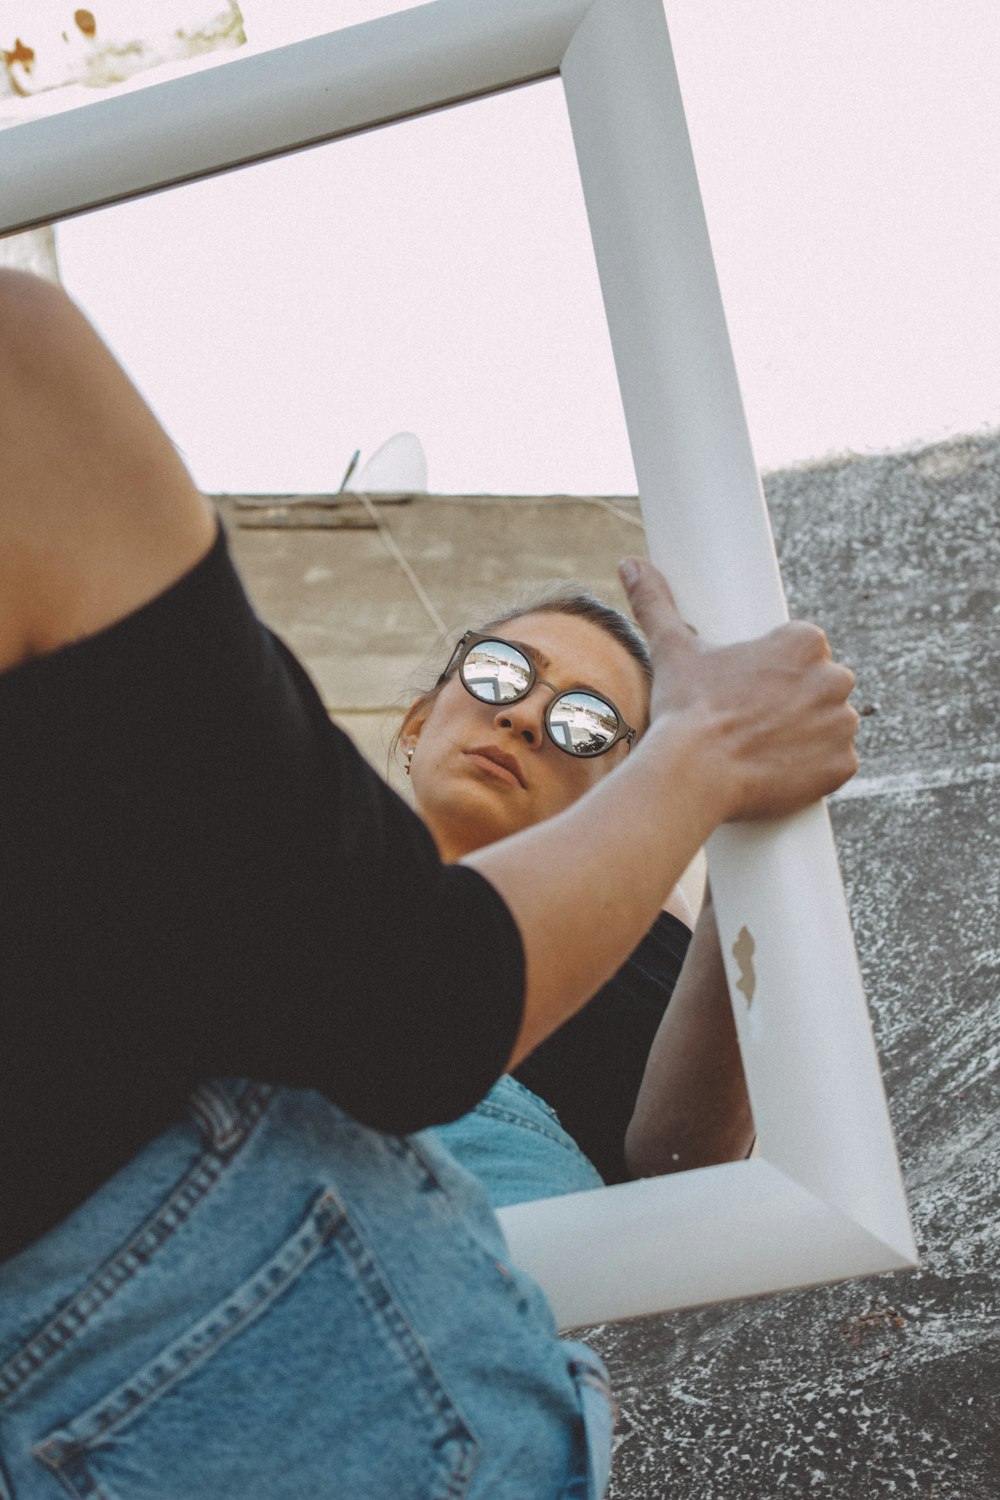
[413, 722]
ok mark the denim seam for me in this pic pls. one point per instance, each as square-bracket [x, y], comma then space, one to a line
[65, 1454]
[382, 1298]
[406, 1148]
[535, 1099]
[590, 1374]
[510, 1117]
[222, 1118]
[200, 1342]
[591, 1378]
[137, 1252]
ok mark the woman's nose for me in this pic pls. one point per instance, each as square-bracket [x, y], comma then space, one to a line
[525, 718]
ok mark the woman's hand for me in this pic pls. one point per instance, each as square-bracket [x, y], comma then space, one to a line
[770, 716]
[757, 730]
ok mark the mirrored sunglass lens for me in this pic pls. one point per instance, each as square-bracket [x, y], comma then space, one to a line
[496, 672]
[582, 724]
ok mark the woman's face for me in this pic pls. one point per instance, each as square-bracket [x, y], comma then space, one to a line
[481, 771]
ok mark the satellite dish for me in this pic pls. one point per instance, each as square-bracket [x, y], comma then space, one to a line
[398, 467]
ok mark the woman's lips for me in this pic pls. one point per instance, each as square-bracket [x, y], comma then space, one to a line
[497, 763]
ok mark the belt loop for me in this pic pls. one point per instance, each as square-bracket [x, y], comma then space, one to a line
[225, 1109]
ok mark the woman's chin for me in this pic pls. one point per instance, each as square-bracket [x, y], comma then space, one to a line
[470, 822]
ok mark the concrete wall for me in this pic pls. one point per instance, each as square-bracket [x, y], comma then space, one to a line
[326, 580]
[884, 1388]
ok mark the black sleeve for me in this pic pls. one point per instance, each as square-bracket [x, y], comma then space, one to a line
[390, 981]
[200, 875]
[591, 1068]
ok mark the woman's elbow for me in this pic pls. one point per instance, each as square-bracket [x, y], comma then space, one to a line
[655, 1151]
[648, 1152]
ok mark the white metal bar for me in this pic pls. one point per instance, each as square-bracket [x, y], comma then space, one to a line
[806, 1037]
[270, 103]
[737, 1230]
[701, 496]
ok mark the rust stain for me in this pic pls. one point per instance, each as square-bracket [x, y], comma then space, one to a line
[743, 952]
[86, 21]
[20, 54]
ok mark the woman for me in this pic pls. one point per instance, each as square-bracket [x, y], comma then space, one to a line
[235, 976]
[554, 695]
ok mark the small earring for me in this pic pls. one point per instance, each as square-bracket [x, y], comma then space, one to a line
[409, 757]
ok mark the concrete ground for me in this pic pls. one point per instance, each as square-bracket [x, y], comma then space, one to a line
[882, 1388]
[891, 1386]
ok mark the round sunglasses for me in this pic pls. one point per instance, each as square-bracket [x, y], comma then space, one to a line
[496, 671]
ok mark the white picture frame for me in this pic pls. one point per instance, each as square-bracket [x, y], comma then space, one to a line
[823, 1200]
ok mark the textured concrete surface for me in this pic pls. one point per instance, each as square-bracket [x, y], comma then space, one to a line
[882, 1388]
[888, 1387]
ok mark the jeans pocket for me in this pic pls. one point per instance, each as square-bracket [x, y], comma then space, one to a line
[306, 1380]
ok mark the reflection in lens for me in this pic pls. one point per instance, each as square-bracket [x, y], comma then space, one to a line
[496, 672]
[582, 724]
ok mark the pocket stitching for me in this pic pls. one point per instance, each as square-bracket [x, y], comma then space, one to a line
[215, 1329]
[510, 1117]
[69, 1447]
[128, 1259]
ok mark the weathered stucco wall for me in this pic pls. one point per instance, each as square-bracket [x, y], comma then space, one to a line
[334, 589]
[883, 1388]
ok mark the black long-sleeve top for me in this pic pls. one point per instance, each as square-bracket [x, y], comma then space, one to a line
[200, 876]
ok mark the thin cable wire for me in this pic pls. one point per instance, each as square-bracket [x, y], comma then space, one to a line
[622, 515]
[412, 578]
[414, 582]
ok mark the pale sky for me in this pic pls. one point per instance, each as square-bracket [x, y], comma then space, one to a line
[437, 276]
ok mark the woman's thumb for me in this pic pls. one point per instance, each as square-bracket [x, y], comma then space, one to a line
[651, 600]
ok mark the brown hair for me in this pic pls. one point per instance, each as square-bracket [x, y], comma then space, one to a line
[556, 599]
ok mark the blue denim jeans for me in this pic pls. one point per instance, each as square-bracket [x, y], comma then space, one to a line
[514, 1143]
[272, 1301]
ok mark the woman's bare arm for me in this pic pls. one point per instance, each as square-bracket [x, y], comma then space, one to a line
[693, 1109]
[97, 512]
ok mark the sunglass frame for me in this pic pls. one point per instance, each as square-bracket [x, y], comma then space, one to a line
[473, 638]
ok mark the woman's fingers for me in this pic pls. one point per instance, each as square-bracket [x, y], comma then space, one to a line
[779, 730]
[654, 606]
[842, 681]
[799, 745]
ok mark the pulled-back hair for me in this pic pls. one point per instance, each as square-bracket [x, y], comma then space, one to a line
[571, 599]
